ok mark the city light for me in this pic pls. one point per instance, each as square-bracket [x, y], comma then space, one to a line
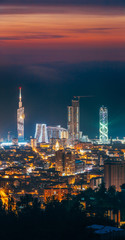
[62, 168]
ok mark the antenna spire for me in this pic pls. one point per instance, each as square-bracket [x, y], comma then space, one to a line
[20, 97]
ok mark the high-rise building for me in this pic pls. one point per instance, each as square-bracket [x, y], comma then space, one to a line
[65, 162]
[33, 142]
[10, 136]
[59, 161]
[69, 163]
[103, 125]
[41, 133]
[38, 132]
[20, 119]
[114, 173]
[73, 120]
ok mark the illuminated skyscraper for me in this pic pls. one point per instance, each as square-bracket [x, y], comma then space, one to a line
[20, 119]
[103, 125]
[59, 161]
[38, 132]
[41, 133]
[33, 143]
[69, 163]
[73, 120]
[65, 162]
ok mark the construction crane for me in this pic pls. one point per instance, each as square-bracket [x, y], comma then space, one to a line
[89, 96]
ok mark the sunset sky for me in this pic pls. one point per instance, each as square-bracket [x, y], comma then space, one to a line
[38, 34]
[57, 51]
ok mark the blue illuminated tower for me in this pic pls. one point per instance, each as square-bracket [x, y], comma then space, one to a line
[103, 125]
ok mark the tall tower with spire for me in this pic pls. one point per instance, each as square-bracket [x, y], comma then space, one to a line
[20, 118]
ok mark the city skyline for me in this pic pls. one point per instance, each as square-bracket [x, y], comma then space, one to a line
[79, 51]
[21, 116]
[62, 119]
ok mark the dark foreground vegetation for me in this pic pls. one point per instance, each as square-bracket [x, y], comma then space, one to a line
[59, 220]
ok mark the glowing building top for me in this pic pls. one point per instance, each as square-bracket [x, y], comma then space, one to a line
[20, 97]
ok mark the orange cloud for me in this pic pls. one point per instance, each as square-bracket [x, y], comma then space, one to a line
[61, 29]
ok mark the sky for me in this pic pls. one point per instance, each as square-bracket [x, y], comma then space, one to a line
[59, 50]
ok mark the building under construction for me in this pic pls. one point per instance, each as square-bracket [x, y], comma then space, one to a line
[73, 120]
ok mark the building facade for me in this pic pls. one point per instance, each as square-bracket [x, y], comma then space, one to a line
[73, 120]
[103, 125]
[114, 173]
[59, 160]
[20, 119]
[57, 132]
[65, 162]
[50, 134]
[41, 133]
[33, 142]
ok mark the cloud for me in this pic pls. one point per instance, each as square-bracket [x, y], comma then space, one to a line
[72, 2]
[44, 72]
[30, 37]
[93, 30]
[66, 7]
